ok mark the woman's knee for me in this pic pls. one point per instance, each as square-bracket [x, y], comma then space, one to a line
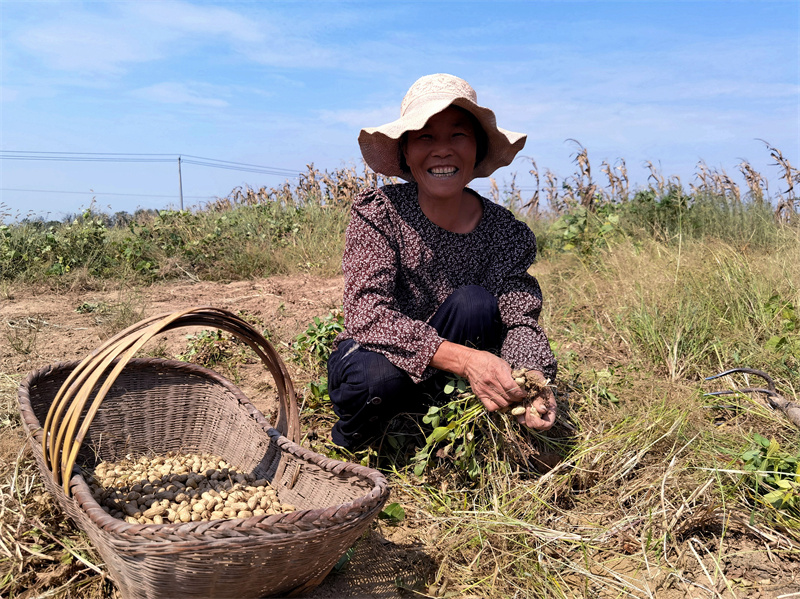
[472, 301]
[470, 315]
[366, 390]
[356, 371]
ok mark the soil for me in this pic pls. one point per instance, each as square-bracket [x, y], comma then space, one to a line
[42, 326]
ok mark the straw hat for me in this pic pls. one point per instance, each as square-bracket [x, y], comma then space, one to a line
[429, 96]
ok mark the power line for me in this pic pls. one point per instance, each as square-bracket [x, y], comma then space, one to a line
[85, 153]
[82, 158]
[151, 158]
[103, 193]
[283, 170]
[262, 171]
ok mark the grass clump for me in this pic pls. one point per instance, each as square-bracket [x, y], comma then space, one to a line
[244, 242]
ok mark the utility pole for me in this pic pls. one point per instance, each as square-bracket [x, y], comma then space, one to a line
[180, 181]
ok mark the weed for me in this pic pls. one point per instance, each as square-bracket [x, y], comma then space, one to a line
[160, 350]
[393, 513]
[88, 307]
[318, 393]
[315, 344]
[260, 232]
[599, 385]
[585, 231]
[773, 474]
[215, 348]
[787, 340]
[21, 334]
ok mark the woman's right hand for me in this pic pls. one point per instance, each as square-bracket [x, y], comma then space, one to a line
[491, 381]
[488, 375]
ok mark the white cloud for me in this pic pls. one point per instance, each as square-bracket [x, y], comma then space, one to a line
[177, 93]
[186, 18]
[110, 39]
[90, 43]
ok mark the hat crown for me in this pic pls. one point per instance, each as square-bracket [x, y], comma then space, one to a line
[436, 87]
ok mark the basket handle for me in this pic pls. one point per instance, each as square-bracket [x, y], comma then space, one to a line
[61, 442]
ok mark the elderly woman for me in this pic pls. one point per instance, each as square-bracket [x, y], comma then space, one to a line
[436, 276]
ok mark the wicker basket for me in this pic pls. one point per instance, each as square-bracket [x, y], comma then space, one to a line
[155, 406]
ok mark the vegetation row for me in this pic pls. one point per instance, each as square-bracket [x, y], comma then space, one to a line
[252, 233]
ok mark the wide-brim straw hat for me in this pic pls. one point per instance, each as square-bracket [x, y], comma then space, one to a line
[430, 95]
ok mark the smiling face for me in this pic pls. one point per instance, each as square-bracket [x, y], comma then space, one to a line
[441, 155]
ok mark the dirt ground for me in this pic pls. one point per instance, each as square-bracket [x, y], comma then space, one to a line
[41, 327]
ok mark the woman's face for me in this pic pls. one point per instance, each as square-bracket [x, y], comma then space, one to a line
[441, 155]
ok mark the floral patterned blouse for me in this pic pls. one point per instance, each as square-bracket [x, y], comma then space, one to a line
[399, 268]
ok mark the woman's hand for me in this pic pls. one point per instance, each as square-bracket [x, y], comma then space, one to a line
[541, 414]
[488, 375]
[491, 381]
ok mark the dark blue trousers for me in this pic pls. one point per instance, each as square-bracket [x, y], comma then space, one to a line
[367, 390]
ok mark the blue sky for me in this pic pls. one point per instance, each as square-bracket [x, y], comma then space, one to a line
[283, 84]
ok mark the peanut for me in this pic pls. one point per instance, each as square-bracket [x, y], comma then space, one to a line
[177, 488]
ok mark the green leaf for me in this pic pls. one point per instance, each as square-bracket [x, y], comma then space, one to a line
[750, 455]
[776, 342]
[393, 512]
[439, 433]
[774, 447]
[775, 498]
[394, 442]
[434, 409]
[345, 559]
[432, 419]
[449, 388]
[763, 441]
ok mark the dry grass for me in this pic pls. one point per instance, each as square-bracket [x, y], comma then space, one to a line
[39, 550]
[645, 501]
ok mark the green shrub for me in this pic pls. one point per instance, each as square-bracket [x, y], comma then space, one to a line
[585, 231]
[315, 344]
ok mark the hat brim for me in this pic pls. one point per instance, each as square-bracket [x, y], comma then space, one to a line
[380, 145]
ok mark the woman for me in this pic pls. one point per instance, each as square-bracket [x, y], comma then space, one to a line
[436, 278]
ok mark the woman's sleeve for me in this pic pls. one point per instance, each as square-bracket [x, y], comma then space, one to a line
[520, 300]
[370, 264]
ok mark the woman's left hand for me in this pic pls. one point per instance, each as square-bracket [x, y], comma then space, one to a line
[541, 414]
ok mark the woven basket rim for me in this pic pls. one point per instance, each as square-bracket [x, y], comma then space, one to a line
[292, 523]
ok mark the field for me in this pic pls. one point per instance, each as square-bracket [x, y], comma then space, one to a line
[646, 487]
